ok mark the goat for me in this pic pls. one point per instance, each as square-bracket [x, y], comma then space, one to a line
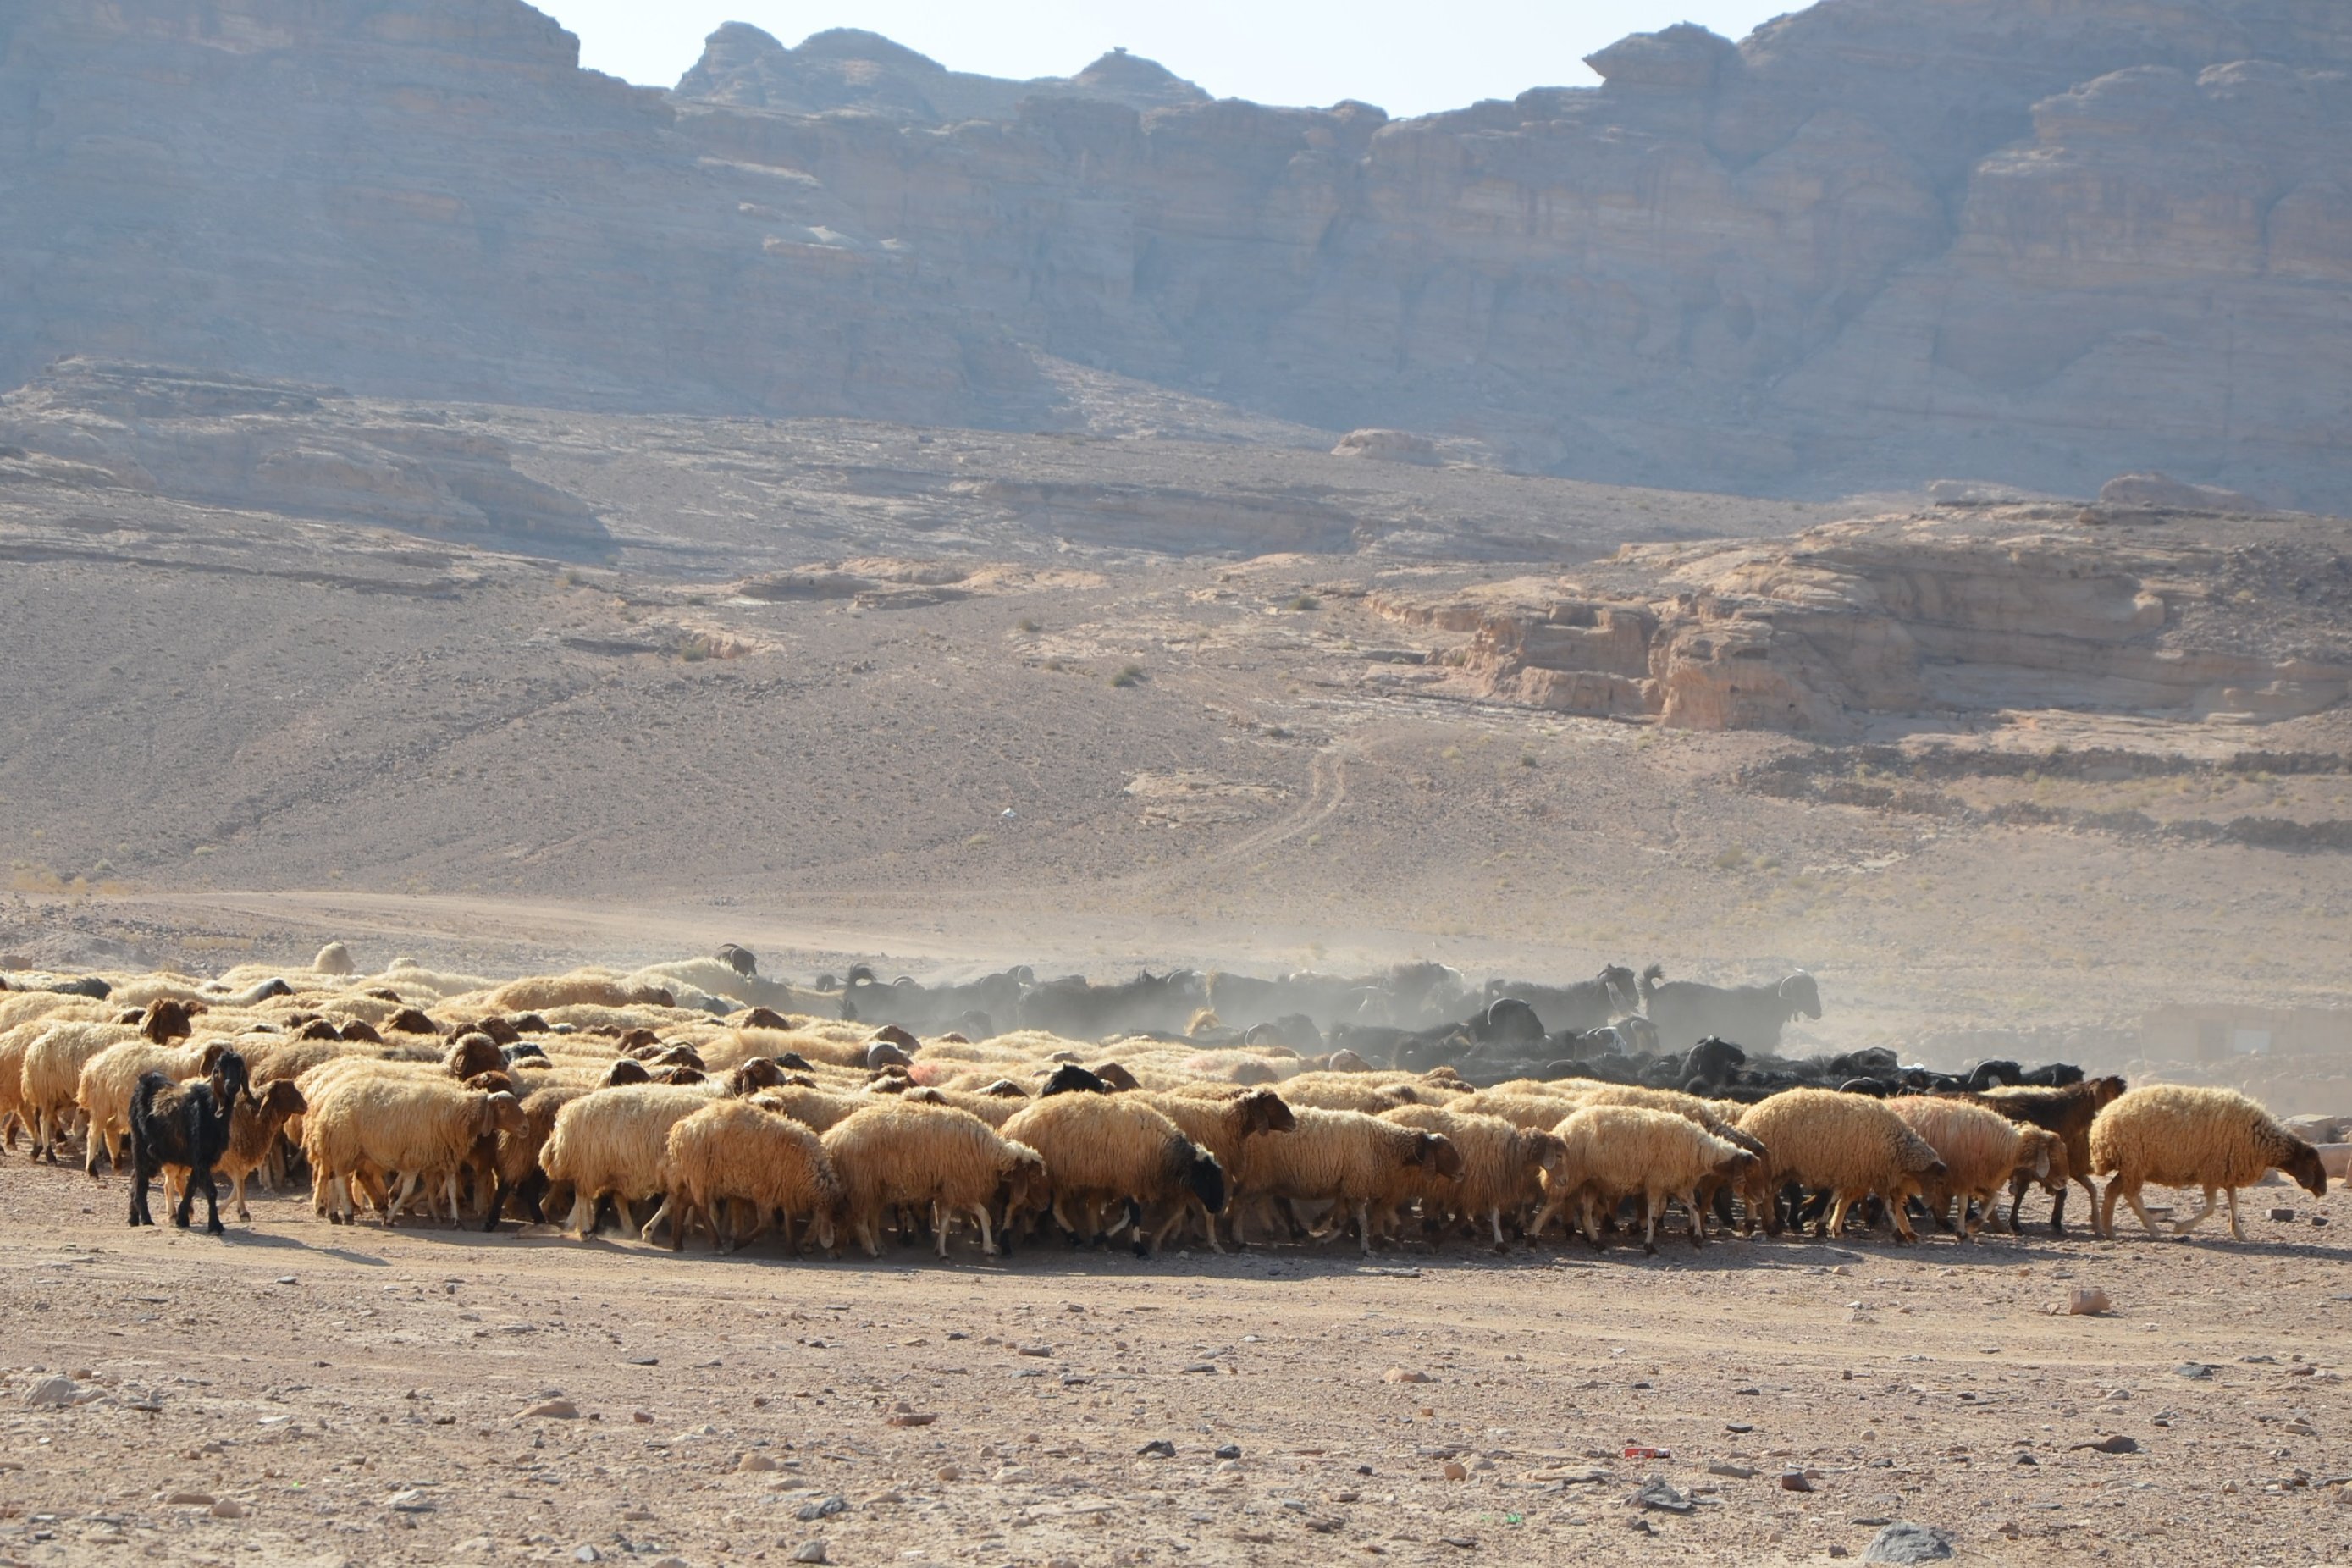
[183, 1124]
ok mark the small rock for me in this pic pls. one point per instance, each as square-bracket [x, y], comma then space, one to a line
[1738, 1427]
[229, 1508]
[641, 1418]
[286, 1279]
[2285, 1216]
[1230, 1451]
[51, 1393]
[1902, 1543]
[1157, 1448]
[1737, 1472]
[1795, 1481]
[951, 1473]
[1012, 1474]
[583, 1553]
[914, 1418]
[1839, 1552]
[755, 1462]
[2087, 1301]
[811, 1551]
[822, 1508]
[1461, 1543]
[2118, 1444]
[1656, 1493]
[1455, 1470]
[553, 1409]
[410, 1501]
[190, 1499]
[1640, 1525]
[2319, 1219]
[1401, 1374]
[2026, 1459]
[2197, 1370]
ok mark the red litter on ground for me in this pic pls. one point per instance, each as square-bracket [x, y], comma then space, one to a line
[1639, 1451]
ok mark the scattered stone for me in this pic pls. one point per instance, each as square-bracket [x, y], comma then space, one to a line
[1902, 1543]
[1011, 1474]
[2118, 1444]
[1656, 1493]
[552, 1409]
[951, 1473]
[1401, 1374]
[1737, 1472]
[583, 1553]
[822, 1508]
[1230, 1451]
[1795, 1481]
[51, 1393]
[190, 1499]
[2285, 1216]
[811, 1551]
[2088, 1301]
[1034, 1349]
[641, 1418]
[2026, 1459]
[1157, 1448]
[914, 1418]
[1455, 1470]
[1462, 1543]
[1738, 1427]
[2197, 1370]
[1208, 1366]
[755, 1462]
[412, 1501]
[229, 1508]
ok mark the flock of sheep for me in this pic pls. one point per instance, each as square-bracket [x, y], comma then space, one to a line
[659, 1093]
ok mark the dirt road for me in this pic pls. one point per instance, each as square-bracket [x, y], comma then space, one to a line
[329, 1395]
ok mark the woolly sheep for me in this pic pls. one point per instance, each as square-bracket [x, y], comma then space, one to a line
[1503, 1167]
[1981, 1150]
[2068, 1111]
[1220, 1124]
[611, 1143]
[1537, 1112]
[733, 1151]
[819, 1110]
[423, 1129]
[1754, 1182]
[1341, 1157]
[108, 1079]
[1113, 1148]
[2182, 1135]
[893, 1155]
[334, 959]
[51, 1077]
[1612, 1153]
[1846, 1145]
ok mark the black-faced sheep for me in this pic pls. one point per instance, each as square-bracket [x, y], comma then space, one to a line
[2182, 1135]
[183, 1124]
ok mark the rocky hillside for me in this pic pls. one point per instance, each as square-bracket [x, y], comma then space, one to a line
[1876, 242]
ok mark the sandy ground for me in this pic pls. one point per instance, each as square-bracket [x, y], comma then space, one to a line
[358, 1396]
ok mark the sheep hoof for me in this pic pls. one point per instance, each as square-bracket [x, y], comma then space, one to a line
[1649, 1249]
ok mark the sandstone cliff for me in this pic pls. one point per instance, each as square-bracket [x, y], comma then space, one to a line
[1875, 242]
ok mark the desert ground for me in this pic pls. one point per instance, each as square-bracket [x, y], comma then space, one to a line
[298, 1393]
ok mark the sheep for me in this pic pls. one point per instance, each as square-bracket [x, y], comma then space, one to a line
[188, 1125]
[818, 1109]
[1539, 1112]
[893, 1154]
[253, 1131]
[515, 1158]
[2068, 1111]
[1686, 1011]
[1755, 1187]
[1348, 1091]
[1980, 1148]
[51, 1077]
[735, 1150]
[1221, 1124]
[611, 1144]
[14, 1041]
[1615, 1151]
[1342, 1157]
[2182, 1135]
[334, 959]
[1845, 1144]
[421, 1127]
[1116, 1147]
[108, 1081]
[1502, 1166]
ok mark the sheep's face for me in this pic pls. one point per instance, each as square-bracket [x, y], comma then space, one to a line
[1736, 1168]
[2106, 1092]
[1437, 1151]
[2304, 1165]
[1263, 1110]
[1115, 1075]
[1803, 994]
[283, 1100]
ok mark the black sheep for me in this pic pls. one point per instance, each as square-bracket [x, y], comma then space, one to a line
[183, 1124]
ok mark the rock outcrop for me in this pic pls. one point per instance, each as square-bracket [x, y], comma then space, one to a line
[1873, 242]
[1844, 623]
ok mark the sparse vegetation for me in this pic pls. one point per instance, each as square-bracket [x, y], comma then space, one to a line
[1128, 675]
[1028, 625]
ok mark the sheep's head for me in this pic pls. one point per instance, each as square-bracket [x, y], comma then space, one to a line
[1072, 1078]
[210, 1057]
[318, 1029]
[882, 1053]
[230, 1081]
[472, 1054]
[626, 1069]
[1004, 1088]
[501, 1112]
[167, 1019]
[495, 1081]
[1116, 1077]
[2304, 1164]
[1263, 1110]
[1735, 1166]
[1546, 1152]
[792, 1061]
[2106, 1092]
[1624, 992]
[1436, 1151]
[1027, 1187]
[361, 1030]
[412, 1021]
[1802, 995]
[282, 1101]
[759, 1072]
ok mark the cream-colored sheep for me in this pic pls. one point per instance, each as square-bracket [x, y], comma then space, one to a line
[818, 1109]
[1348, 1091]
[1537, 1112]
[611, 1143]
[733, 1151]
[1220, 1124]
[51, 1076]
[419, 1129]
[1849, 1145]
[547, 993]
[1116, 1148]
[108, 1081]
[334, 959]
[1611, 1153]
[1503, 1168]
[1344, 1158]
[1981, 1150]
[14, 1041]
[2182, 1135]
[934, 1157]
[1754, 1181]
[18, 1007]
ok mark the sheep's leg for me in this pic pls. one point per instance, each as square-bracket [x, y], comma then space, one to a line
[583, 1213]
[1697, 1224]
[2183, 1227]
[140, 1176]
[212, 1199]
[1209, 1222]
[2105, 1221]
[397, 1199]
[2233, 1214]
[1588, 1222]
[93, 1147]
[2131, 1196]
[500, 1192]
[987, 1234]
[1649, 1206]
[645, 1231]
[243, 1213]
[1364, 1225]
[1495, 1222]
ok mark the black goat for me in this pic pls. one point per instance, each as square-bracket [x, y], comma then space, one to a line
[185, 1124]
[1072, 1078]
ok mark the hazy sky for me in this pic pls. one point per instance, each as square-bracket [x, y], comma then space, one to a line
[1406, 55]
